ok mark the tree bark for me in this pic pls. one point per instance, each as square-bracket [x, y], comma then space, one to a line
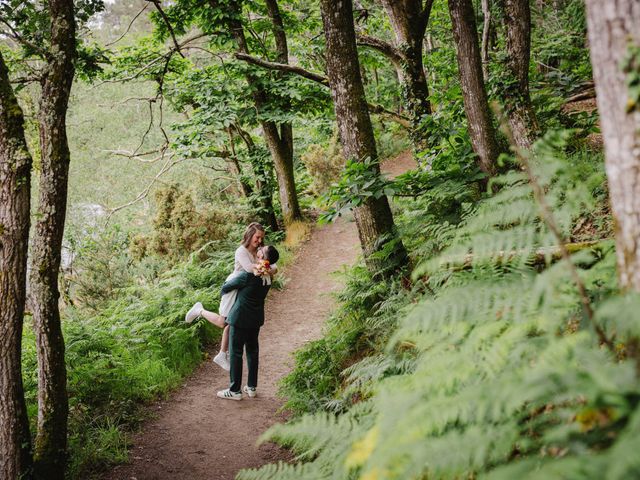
[236, 169]
[51, 440]
[262, 175]
[614, 28]
[280, 143]
[15, 185]
[515, 95]
[374, 218]
[409, 22]
[285, 172]
[481, 131]
[486, 30]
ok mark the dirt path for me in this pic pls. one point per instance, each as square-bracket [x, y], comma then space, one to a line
[198, 436]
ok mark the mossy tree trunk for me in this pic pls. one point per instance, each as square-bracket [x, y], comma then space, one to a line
[374, 218]
[263, 174]
[15, 183]
[51, 440]
[409, 20]
[614, 32]
[515, 94]
[486, 35]
[282, 56]
[278, 140]
[474, 94]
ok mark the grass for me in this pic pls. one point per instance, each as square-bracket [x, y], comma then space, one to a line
[297, 234]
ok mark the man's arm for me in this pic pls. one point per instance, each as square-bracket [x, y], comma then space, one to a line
[236, 283]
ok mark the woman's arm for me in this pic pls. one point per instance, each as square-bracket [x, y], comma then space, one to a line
[243, 257]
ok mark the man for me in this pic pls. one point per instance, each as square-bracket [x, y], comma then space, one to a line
[245, 319]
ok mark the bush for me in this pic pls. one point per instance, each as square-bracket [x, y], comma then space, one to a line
[100, 266]
[324, 164]
[178, 228]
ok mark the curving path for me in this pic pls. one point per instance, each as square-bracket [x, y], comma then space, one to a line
[198, 436]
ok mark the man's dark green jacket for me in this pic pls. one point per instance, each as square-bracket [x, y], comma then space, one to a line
[248, 310]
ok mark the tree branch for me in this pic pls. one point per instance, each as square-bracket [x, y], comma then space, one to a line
[396, 117]
[322, 80]
[426, 13]
[129, 27]
[283, 67]
[144, 193]
[21, 40]
[388, 50]
[156, 3]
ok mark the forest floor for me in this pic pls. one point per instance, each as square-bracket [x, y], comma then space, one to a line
[196, 435]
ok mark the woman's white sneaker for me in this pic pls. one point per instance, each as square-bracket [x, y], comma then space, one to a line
[193, 313]
[222, 360]
[251, 391]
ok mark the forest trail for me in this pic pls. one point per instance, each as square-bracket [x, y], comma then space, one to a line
[199, 436]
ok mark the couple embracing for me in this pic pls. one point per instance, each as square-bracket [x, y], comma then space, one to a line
[241, 312]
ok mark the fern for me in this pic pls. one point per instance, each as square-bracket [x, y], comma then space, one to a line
[496, 371]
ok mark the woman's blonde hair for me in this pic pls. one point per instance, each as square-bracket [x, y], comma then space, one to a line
[251, 230]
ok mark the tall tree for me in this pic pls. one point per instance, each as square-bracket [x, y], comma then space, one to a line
[481, 131]
[278, 138]
[515, 93]
[614, 43]
[263, 182]
[15, 183]
[373, 218]
[409, 20]
[486, 33]
[57, 77]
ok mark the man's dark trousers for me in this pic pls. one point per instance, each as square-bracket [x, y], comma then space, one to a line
[243, 339]
[245, 319]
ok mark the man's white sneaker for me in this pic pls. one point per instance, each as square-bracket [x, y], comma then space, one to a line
[222, 360]
[251, 391]
[229, 395]
[193, 313]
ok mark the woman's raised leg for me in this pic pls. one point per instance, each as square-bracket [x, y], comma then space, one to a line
[213, 317]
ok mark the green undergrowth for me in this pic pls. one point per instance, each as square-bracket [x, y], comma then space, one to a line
[135, 350]
[486, 364]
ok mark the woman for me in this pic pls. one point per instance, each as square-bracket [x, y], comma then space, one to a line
[244, 261]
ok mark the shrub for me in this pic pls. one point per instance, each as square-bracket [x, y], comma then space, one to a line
[324, 164]
[179, 228]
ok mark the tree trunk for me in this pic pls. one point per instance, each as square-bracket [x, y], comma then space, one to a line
[283, 164]
[245, 187]
[234, 168]
[51, 440]
[263, 186]
[284, 168]
[374, 218]
[280, 144]
[409, 22]
[486, 30]
[515, 95]
[613, 29]
[481, 131]
[263, 182]
[15, 184]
